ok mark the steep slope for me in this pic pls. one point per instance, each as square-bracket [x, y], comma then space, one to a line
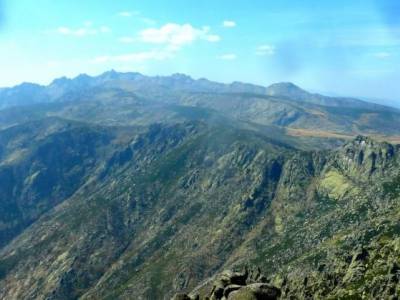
[42, 163]
[181, 202]
[326, 215]
[332, 231]
[171, 181]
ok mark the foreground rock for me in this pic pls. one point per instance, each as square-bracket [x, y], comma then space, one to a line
[231, 285]
[255, 291]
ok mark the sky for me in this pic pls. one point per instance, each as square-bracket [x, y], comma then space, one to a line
[339, 47]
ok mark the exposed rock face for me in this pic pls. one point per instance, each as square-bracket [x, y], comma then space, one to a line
[364, 273]
[255, 291]
[371, 272]
[164, 207]
[231, 285]
[181, 297]
[124, 186]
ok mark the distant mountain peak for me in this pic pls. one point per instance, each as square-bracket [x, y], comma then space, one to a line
[82, 76]
[109, 75]
[153, 86]
[60, 81]
[284, 85]
[26, 86]
[181, 76]
[290, 90]
[112, 71]
[285, 89]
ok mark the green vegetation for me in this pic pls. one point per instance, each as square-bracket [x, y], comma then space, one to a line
[336, 185]
[130, 190]
[392, 188]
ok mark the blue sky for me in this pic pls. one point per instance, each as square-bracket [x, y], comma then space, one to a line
[343, 47]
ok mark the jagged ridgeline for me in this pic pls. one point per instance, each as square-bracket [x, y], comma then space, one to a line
[109, 192]
[159, 210]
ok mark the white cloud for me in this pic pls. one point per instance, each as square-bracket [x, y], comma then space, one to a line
[382, 55]
[176, 36]
[265, 50]
[229, 24]
[228, 56]
[128, 14]
[167, 40]
[83, 31]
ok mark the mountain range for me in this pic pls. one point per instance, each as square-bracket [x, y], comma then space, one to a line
[124, 186]
[131, 98]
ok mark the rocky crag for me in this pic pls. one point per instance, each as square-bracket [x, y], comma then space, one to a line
[148, 212]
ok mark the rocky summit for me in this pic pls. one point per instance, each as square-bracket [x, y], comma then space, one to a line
[124, 186]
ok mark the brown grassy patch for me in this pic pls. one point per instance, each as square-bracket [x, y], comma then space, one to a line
[317, 133]
[299, 132]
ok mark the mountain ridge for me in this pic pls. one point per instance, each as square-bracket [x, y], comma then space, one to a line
[173, 178]
[285, 89]
[133, 99]
[124, 186]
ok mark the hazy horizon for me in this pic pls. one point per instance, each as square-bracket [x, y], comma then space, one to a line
[382, 101]
[348, 49]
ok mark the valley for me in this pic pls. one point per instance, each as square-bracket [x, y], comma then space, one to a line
[124, 186]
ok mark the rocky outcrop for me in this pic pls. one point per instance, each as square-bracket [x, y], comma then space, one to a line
[364, 272]
[166, 207]
[230, 285]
